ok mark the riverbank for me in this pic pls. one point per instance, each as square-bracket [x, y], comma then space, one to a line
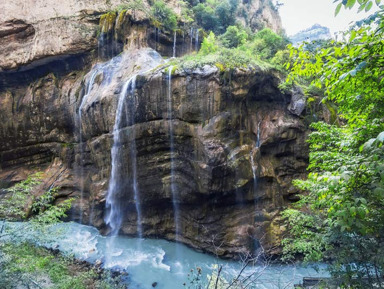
[169, 265]
[25, 265]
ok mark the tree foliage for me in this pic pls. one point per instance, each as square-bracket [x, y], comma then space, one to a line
[209, 44]
[15, 205]
[267, 43]
[341, 219]
[233, 37]
[365, 5]
[215, 15]
[163, 16]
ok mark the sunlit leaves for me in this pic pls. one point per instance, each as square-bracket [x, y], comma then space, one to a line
[338, 7]
[350, 72]
[362, 4]
[344, 204]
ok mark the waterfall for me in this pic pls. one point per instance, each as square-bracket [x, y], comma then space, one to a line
[191, 32]
[174, 45]
[253, 164]
[171, 139]
[130, 115]
[258, 135]
[113, 203]
[83, 101]
[197, 40]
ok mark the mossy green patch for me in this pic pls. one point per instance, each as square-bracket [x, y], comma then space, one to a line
[107, 21]
[33, 267]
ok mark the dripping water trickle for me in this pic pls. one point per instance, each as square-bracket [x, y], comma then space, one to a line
[253, 164]
[130, 115]
[191, 34]
[258, 135]
[174, 45]
[80, 113]
[197, 40]
[171, 139]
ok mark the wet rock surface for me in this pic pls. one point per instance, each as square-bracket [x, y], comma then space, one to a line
[237, 142]
[216, 126]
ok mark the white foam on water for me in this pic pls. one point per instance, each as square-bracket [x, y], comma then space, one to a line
[155, 260]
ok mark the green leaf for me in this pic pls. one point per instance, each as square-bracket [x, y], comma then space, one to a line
[338, 7]
[361, 8]
[369, 6]
[350, 3]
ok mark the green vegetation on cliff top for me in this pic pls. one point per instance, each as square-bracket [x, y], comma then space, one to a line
[238, 49]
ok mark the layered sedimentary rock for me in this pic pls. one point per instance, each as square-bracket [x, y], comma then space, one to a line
[33, 33]
[218, 120]
[237, 141]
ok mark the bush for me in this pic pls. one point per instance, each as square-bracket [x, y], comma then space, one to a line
[216, 16]
[205, 17]
[233, 37]
[209, 44]
[266, 43]
[223, 58]
[163, 16]
[20, 202]
[280, 60]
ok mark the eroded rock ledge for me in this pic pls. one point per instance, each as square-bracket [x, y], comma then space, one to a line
[238, 141]
[217, 123]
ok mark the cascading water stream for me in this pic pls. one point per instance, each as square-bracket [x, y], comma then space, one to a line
[253, 164]
[113, 204]
[191, 32]
[197, 40]
[171, 139]
[123, 177]
[83, 101]
[174, 45]
[258, 135]
[130, 115]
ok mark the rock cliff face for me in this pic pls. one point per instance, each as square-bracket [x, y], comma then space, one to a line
[237, 140]
[316, 32]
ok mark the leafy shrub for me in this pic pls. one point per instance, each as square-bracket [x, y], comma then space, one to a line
[14, 206]
[280, 59]
[267, 43]
[223, 58]
[216, 15]
[233, 37]
[163, 16]
[209, 44]
[205, 17]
